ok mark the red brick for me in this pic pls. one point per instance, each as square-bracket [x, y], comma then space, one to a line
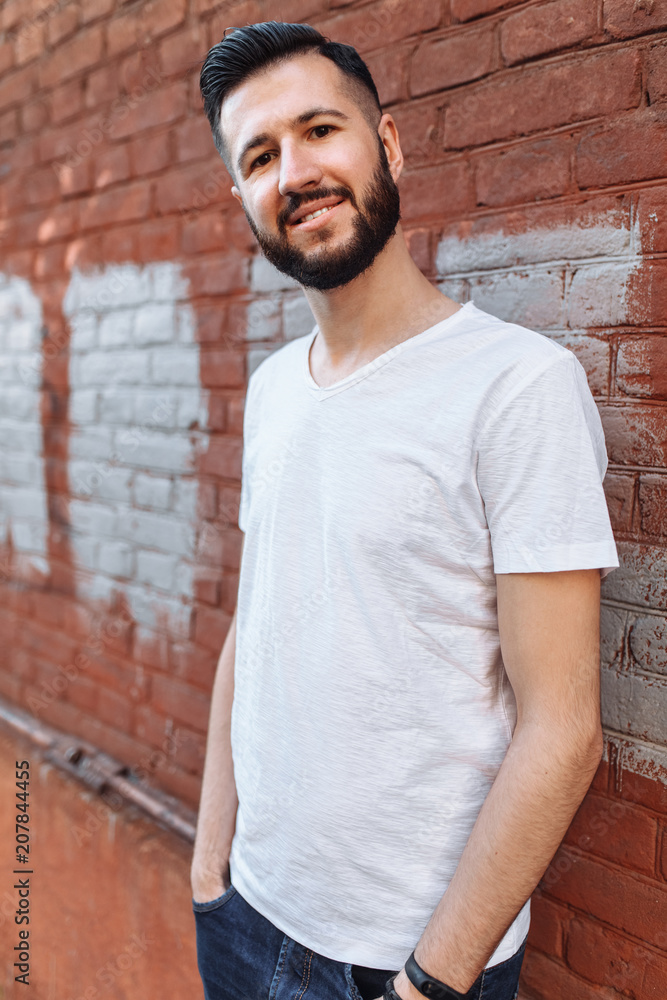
[220, 545]
[652, 219]
[455, 58]
[101, 87]
[420, 132]
[193, 139]
[466, 10]
[663, 853]
[204, 232]
[17, 87]
[9, 126]
[181, 702]
[218, 275]
[645, 789]
[75, 180]
[211, 627]
[548, 923]
[81, 52]
[48, 264]
[62, 24]
[92, 9]
[634, 435]
[142, 24]
[184, 50]
[421, 250]
[110, 166]
[544, 97]
[29, 43]
[382, 23]
[149, 153]
[389, 69]
[528, 172]
[652, 499]
[624, 19]
[547, 28]
[158, 240]
[114, 207]
[544, 978]
[656, 73]
[67, 101]
[656, 976]
[222, 369]
[588, 885]
[628, 150]
[148, 109]
[605, 958]
[6, 57]
[195, 665]
[641, 366]
[435, 192]
[617, 831]
[115, 709]
[222, 458]
[620, 492]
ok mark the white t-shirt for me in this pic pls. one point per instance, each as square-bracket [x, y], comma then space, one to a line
[372, 710]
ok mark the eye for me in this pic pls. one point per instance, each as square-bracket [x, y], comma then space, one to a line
[323, 130]
[261, 160]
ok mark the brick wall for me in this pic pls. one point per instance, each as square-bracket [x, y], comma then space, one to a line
[133, 305]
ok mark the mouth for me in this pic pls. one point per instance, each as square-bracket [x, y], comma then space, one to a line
[307, 217]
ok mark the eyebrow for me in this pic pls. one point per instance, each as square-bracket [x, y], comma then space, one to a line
[302, 119]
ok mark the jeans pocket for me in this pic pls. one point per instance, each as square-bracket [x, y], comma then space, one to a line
[214, 904]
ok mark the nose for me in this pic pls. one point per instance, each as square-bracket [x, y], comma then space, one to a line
[299, 169]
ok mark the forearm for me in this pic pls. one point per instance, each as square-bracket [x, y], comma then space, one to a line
[538, 789]
[218, 803]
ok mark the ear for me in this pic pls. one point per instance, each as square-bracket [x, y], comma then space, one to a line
[237, 194]
[388, 133]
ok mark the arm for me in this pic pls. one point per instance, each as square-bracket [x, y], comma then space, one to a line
[549, 635]
[218, 803]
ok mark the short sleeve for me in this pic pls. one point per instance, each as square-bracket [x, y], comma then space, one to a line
[249, 423]
[541, 460]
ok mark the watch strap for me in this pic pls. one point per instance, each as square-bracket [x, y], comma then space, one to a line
[428, 986]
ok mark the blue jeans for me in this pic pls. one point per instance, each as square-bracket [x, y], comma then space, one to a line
[242, 956]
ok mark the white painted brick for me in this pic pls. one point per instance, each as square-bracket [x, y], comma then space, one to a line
[635, 705]
[175, 366]
[21, 437]
[83, 406]
[298, 319]
[26, 370]
[255, 358]
[152, 491]
[186, 494]
[115, 328]
[23, 335]
[101, 480]
[648, 643]
[149, 610]
[157, 569]
[157, 531]
[641, 578]
[29, 536]
[605, 236]
[264, 319]
[598, 295]
[168, 284]
[184, 579]
[533, 299]
[114, 287]
[94, 443]
[192, 409]
[156, 408]
[84, 549]
[116, 559]
[594, 355]
[91, 518]
[24, 502]
[155, 324]
[612, 635]
[186, 324]
[116, 405]
[147, 449]
[264, 277]
[111, 368]
[83, 325]
[26, 470]
[18, 402]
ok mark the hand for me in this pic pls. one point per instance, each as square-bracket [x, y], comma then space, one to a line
[208, 884]
[404, 989]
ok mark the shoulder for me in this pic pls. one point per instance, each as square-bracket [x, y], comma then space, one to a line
[283, 360]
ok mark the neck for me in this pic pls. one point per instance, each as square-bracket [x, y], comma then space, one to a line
[382, 307]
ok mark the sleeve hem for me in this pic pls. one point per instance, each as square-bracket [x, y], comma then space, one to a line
[600, 556]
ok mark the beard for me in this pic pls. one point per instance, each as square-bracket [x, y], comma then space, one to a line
[373, 226]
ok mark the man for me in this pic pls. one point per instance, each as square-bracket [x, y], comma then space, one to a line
[405, 716]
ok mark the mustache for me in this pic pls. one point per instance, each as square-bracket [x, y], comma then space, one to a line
[295, 201]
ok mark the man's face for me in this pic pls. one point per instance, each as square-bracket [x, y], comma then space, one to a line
[299, 144]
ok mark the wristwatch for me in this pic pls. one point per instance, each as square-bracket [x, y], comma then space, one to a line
[427, 985]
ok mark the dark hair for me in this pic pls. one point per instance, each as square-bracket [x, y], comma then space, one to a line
[247, 50]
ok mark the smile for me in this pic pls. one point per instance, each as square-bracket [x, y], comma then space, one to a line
[311, 220]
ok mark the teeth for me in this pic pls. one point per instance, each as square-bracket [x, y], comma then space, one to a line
[314, 215]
